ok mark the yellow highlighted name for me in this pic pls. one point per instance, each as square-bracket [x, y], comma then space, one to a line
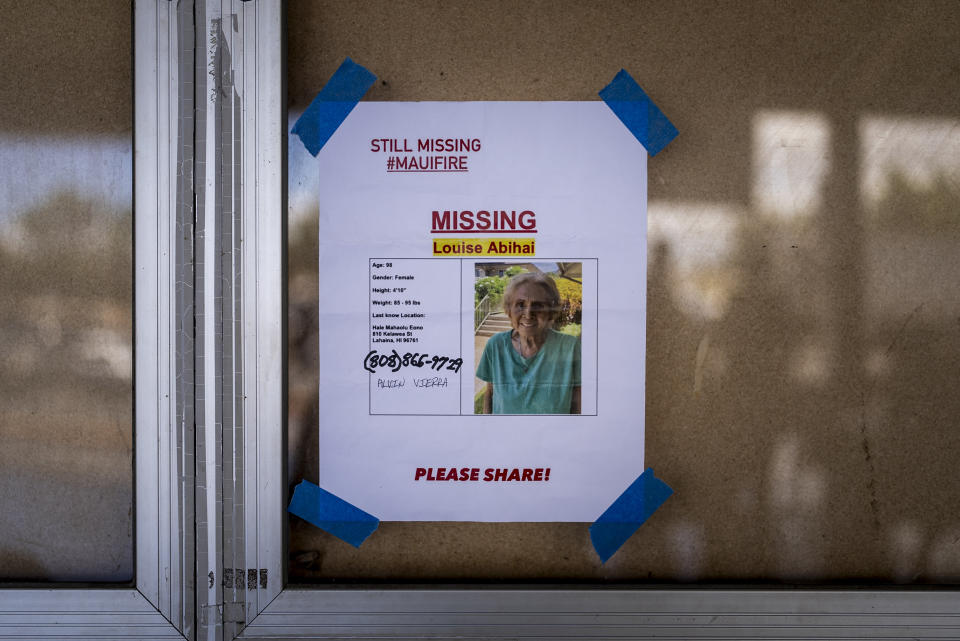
[484, 247]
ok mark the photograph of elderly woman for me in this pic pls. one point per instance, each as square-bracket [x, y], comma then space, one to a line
[527, 324]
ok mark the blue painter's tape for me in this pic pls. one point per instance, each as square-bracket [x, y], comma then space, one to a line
[635, 109]
[332, 105]
[331, 513]
[628, 513]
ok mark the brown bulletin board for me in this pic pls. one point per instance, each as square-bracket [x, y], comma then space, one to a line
[804, 280]
[69, 68]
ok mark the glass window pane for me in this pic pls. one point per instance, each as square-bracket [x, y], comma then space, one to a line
[66, 412]
[803, 282]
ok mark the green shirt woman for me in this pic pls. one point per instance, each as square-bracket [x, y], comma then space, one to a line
[532, 368]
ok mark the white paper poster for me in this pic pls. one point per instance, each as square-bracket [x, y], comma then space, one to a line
[482, 310]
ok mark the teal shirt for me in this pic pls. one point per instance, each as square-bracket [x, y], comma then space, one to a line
[541, 384]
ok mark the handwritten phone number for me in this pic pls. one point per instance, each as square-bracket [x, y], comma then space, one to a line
[395, 361]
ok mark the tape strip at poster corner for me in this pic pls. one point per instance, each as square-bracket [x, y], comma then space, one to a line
[331, 106]
[332, 514]
[627, 513]
[638, 112]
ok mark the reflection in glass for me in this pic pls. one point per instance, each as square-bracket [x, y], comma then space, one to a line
[790, 161]
[66, 358]
[65, 384]
[803, 326]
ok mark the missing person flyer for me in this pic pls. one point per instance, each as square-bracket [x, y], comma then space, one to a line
[483, 304]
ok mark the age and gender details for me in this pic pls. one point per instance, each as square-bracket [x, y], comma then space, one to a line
[414, 355]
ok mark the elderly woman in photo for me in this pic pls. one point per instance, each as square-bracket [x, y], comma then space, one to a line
[532, 368]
